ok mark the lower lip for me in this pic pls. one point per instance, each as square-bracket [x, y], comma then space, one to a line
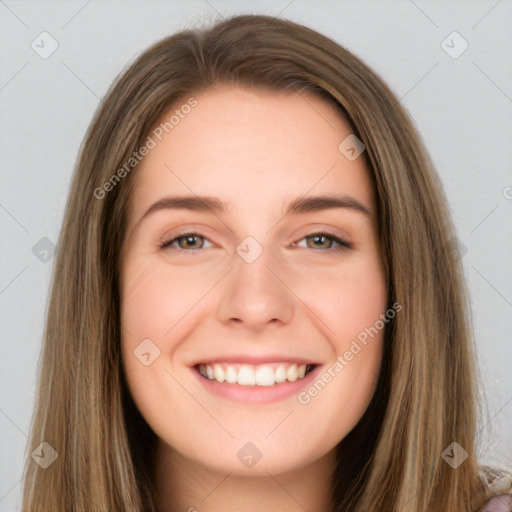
[256, 394]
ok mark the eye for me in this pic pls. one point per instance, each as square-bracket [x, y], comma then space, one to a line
[186, 241]
[320, 240]
[193, 241]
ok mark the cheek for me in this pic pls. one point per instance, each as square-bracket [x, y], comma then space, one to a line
[148, 311]
[144, 307]
[152, 303]
[347, 300]
[158, 308]
[350, 304]
[155, 299]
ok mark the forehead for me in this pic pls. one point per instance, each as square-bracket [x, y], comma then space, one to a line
[250, 148]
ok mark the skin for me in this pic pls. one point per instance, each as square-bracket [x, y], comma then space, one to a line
[255, 151]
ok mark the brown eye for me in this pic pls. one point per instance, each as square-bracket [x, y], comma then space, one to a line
[320, 240]
[186, 242]
[189, 242]
[326, 242]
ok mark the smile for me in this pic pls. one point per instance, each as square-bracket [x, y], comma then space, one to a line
[268, 374]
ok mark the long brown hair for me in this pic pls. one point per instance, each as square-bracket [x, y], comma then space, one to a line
[426, 398]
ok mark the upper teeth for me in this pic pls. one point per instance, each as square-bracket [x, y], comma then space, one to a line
[253, 375]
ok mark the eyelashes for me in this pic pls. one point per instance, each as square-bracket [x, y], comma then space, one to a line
[183, 236]
[336, 244]
[339, 244]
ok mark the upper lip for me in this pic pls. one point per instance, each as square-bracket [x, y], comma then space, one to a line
[254, 360]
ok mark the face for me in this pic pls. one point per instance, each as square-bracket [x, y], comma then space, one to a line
[226, 303]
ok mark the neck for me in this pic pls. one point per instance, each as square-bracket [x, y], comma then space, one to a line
[186, 485]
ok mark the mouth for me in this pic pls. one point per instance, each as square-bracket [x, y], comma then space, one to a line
[268, 374]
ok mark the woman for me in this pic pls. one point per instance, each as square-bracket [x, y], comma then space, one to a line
[255, 371]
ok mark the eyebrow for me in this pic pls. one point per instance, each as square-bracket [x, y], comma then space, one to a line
[297, 206]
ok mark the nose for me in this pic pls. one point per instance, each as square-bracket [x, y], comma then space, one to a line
[255, 294]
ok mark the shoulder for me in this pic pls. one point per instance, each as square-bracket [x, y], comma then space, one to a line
[498, 484]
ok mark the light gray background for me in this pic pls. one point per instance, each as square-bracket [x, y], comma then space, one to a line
[462, 107]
